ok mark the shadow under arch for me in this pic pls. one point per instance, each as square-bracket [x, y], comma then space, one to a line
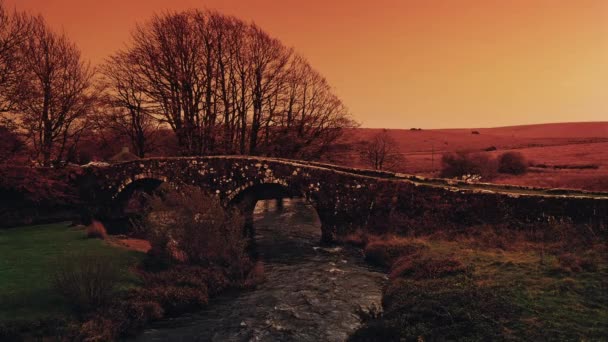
[245, 202]
[129, 203]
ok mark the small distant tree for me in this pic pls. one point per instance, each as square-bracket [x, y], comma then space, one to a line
[382, 153]
[512, 163]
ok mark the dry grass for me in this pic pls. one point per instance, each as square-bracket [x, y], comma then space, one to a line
[138, 245]
[96, 230]
[383, 251]
[492, 283]
[357, 238]
[591, 180]
[415, 267]
[566, 144]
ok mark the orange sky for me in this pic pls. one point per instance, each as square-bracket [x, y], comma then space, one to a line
[408, 63]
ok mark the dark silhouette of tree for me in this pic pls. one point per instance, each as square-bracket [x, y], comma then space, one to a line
[10, 144]
[54, 94]
[382, 153]
[224, 86]
[124, 106]
[15, 29]
[172, 61]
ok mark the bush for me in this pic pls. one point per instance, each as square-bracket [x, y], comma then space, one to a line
[174, 299]
[96, 230]
[213, 280]
[192, 226]
[86, 281]
[459, 164]
[513, 163]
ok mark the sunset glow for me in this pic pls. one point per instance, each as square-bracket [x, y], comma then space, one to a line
[402, 64]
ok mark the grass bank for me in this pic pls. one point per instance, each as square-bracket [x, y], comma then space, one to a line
[488, 286]
[30, 256]
[56, 281]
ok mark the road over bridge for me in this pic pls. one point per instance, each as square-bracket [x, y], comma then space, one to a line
[344, 198]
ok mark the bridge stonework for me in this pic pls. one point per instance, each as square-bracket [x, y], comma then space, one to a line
[345, 198]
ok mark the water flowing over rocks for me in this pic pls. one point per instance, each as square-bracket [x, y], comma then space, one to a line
[311, 293]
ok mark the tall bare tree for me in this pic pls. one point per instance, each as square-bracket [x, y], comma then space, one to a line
[125, 108]
[382, 153]
[54, 97]
[224, 86]
[171, 61]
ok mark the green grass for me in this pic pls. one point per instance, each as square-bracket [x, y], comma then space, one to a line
[554, 303]
[30, 255]
[547, 301]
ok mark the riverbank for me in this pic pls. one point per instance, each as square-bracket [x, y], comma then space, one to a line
[488, 284]
[31, 255]
[310, 292]
[143, 289]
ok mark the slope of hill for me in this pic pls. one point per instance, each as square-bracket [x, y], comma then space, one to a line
[582, 146]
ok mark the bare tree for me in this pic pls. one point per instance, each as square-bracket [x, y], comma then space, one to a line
[224, 86]
[54, 96]
[15, 28]
[267, 62]
[125, 107]
[172, 63]
[382, 153]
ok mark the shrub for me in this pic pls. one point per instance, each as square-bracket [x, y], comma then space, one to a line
[87, 282]
[124, 318]
[383, 252]
[192, 226]
[133, 315]
[97, 328]
[175, 299]
[213, 280]
[460, 164]
[513, 163]
[96, 230]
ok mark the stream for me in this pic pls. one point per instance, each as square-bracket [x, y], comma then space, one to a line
[310, 293]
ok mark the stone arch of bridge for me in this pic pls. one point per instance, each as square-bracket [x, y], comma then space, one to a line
[129, 201]
[246, 198]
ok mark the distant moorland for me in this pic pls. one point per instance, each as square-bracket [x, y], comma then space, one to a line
[564, 155]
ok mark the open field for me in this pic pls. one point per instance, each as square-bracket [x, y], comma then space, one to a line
[31, 255]
[488, 286]
[572, 155]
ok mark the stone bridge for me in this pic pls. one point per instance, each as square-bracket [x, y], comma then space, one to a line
[344, 198]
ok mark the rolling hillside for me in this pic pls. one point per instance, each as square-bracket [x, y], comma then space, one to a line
[578, 150]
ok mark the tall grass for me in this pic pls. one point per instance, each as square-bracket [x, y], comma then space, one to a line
[86, 281]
